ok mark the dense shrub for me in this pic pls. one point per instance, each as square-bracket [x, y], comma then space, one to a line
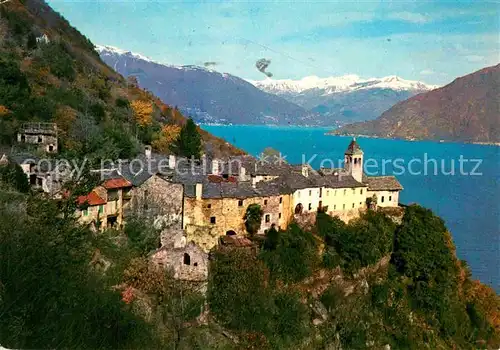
[48, 297]
[294, 257]
[361, 243]
[142, 236]
[241, 299]
[56, 57]
[14, 87]
[12, 174]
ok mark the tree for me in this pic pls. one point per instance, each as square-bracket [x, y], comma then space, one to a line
[253, 218]
[31, 41]
[272, 239]
[143, 112]
[188, 144]
[13, 175]
[166, 138]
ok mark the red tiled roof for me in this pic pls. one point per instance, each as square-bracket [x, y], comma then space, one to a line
[116, 183]
[92, 199]
[219, 179]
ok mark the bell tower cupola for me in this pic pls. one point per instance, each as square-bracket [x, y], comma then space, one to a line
[353, 160]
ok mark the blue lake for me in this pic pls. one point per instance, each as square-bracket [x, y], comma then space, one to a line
[467, 200]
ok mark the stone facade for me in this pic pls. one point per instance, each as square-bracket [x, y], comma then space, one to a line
[158, 201]
[188, 262]
[205, 220]
[44, 135]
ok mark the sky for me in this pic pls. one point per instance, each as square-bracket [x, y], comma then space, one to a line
[431, 41]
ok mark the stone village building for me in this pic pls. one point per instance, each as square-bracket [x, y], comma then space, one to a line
[193, 205]
[41, 135]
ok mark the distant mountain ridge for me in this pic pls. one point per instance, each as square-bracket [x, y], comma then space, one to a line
[467, 109]
[345, 83]
[347, 98]
[206, 95]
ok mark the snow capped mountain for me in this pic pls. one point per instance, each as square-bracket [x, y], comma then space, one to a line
[345, 99]
[332, 85]
[211, 96]
[114, 51]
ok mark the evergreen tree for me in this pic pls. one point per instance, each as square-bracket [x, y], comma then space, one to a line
[31, 41]
[13, 175]
[188, 144]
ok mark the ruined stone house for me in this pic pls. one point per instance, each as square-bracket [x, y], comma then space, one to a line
[41, 135]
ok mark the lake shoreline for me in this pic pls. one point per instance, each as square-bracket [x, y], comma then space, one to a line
[497, 144]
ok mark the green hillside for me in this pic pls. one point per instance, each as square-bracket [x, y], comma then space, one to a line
[63, 80]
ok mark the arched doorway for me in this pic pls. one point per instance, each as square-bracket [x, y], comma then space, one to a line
[187, 259]
[230, 233]
[299, 208]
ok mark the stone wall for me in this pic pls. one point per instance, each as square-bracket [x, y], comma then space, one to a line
[157, 201]
[207, 219]
[189, 263]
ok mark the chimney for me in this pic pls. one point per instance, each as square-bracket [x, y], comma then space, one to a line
[254, 182]
[198, 190]
[305, 170]
[147, 152]
[215, 166]
[171, 161]
[243, 174]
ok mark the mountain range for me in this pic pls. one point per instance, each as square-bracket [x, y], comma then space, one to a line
[467, 109]
[206, 95]
[347, 98]
[213, 97]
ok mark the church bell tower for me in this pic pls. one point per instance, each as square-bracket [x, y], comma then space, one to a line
[353, 160]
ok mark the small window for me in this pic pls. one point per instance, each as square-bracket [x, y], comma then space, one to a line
[390, 198]
[353, 205]
[335, 207]
[195, 264]
[310, 193]
[343, 206]
[209, 206]
[345, 192]
[361, 192]
[51, 148]
[39, 139]
[279, 216]
[298, 194]
[146, 193]
[360, 203]
[281, 200]
[240, 203]
[310, 206]
[101, 209]
[212, 220]
[327, 193]
[268, 218]
[382, 200]
[187, 259]
[85, 212]
[335, 193]
[265, 201]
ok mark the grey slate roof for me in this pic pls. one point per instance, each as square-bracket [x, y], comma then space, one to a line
[354, 148]
[382, 183]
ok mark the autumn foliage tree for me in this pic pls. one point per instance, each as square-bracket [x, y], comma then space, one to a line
[166, 138]
[143, 112]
